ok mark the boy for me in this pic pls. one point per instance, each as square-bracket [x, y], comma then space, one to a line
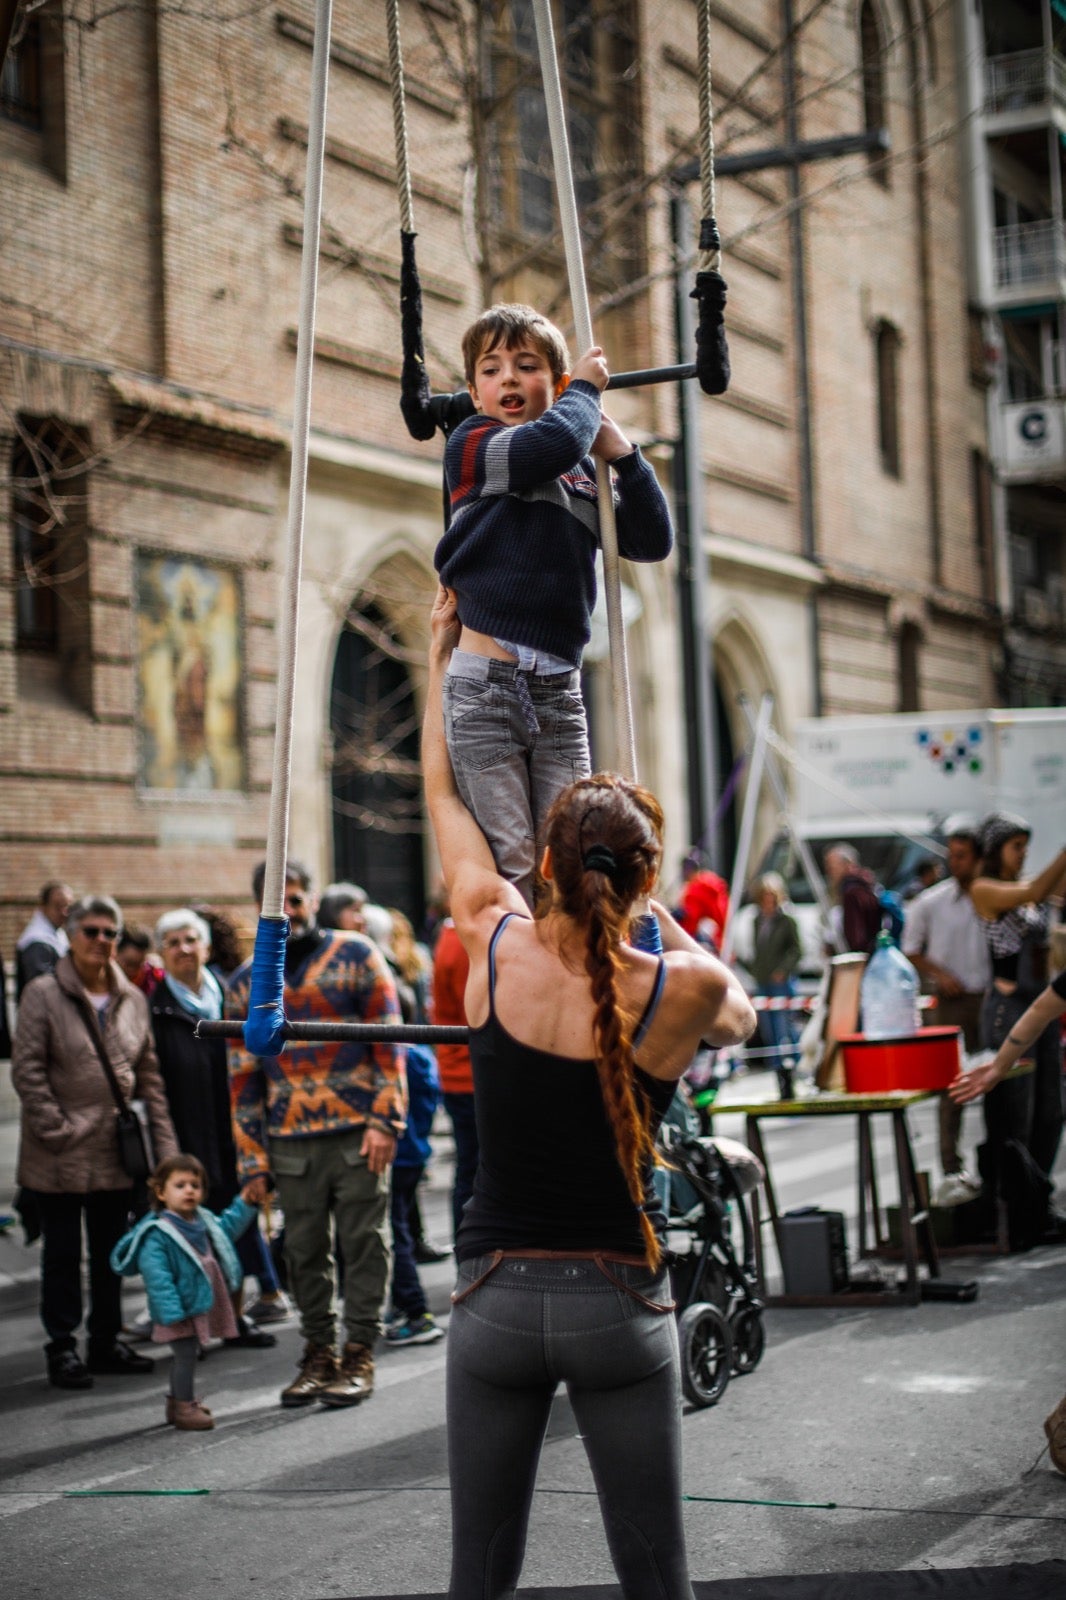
[520, 555]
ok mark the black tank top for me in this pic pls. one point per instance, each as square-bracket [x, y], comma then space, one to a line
[548, 1176]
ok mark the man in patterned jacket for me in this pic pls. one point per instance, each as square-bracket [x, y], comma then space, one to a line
[321, 1123]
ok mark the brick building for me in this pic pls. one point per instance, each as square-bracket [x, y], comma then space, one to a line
[152, 168]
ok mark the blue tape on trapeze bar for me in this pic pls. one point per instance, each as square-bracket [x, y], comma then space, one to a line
[263, 1035]
[646, 935]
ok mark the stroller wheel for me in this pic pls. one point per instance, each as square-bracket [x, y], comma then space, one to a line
[706, 1353]
[749, 1340]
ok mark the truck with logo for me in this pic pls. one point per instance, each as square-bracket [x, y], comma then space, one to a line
[892, 786]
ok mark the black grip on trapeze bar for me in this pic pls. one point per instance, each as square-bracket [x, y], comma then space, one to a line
[345, 1032]
[414, 379]
[448, 410]
[636, 380]
[712, 351]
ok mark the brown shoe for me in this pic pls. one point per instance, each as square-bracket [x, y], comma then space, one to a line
[354, 1380]
[318, 1367]
[189, 1416]
[1055, 1428]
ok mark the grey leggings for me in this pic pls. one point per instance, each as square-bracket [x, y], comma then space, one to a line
[532, 1325]
[183, 1367]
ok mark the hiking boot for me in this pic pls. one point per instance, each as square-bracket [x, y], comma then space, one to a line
[318, 1368]
[1055, 1428]
[189, 1416]
[354, 1380]
[66, 1370]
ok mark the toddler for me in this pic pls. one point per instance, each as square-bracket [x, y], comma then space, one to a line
[519, 554]
[186, 1257]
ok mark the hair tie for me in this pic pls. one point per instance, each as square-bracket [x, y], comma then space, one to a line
[600, 858]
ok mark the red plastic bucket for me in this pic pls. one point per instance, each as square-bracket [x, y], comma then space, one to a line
[928, 1059]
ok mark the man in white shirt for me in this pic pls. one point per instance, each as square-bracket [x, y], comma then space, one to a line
[945, 939]
[43, 940]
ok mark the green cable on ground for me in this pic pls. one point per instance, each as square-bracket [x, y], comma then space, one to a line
[732, 1500]
[111, 1494]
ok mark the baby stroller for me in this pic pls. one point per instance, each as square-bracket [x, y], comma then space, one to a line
[720, 1323]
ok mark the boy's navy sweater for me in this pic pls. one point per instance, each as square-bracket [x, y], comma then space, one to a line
[521, 546]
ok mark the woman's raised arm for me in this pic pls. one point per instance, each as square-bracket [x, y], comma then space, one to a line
[993, 895]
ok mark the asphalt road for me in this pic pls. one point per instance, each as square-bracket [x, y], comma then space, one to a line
[920, 1428]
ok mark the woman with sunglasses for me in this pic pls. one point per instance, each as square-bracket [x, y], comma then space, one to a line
[68, 1021]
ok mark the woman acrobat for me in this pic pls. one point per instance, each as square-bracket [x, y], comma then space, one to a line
[577, 1041]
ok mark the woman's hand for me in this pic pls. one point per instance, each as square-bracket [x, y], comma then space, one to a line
[444, 624]
[971, 1085]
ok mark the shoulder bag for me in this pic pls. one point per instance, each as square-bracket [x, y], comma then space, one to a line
[134, 1149]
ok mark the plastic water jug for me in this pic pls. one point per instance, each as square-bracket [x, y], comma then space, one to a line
[889, 993]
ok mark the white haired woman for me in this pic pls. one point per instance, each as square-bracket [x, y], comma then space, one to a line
[69, 1020]
[196, 1077]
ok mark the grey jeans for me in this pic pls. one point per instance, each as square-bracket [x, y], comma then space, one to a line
[530, 1326]
[507, 773]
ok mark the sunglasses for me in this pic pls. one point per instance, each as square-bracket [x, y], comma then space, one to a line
[93, 930]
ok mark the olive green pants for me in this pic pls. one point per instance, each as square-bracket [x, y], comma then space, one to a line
[324, 1184]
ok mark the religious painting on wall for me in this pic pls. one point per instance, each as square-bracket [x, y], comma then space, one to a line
[189, 674]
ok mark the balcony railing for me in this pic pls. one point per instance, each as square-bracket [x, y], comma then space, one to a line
[1024, 80]
[1029, 254]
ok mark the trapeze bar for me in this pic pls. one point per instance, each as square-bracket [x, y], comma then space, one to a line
[345, 1032]
[634, 380]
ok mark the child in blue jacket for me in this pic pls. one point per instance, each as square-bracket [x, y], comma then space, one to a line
[190, 1269]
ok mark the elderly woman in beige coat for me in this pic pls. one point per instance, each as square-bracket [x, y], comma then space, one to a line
[68, 1152]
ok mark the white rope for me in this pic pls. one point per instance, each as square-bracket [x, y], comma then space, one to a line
[626, 754]
[710, 260]
[280, 783]
[399, 120]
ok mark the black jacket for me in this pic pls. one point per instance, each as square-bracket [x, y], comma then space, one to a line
[197, 1083]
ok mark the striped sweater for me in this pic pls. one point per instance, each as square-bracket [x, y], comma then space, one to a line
[319, 1088]
[521, 546]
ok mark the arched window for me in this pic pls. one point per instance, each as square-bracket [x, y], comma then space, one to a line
[909, 680]
[874, 99]
[377, 802]
[887, 346]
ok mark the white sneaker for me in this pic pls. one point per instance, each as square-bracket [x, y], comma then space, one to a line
[956, 1188]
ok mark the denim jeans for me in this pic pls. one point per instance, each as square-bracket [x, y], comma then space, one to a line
[507, 774]
[407, 1292]
[532, 1325]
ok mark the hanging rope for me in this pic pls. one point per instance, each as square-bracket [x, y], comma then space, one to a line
[564, 184]
[712, 351]
[266, 1016]
[645, 933]
[414, 379]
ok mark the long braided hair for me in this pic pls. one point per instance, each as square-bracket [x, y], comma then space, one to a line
[605, 836]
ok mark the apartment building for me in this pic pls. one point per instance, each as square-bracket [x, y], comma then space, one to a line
[853, 520]
[1012, 72]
